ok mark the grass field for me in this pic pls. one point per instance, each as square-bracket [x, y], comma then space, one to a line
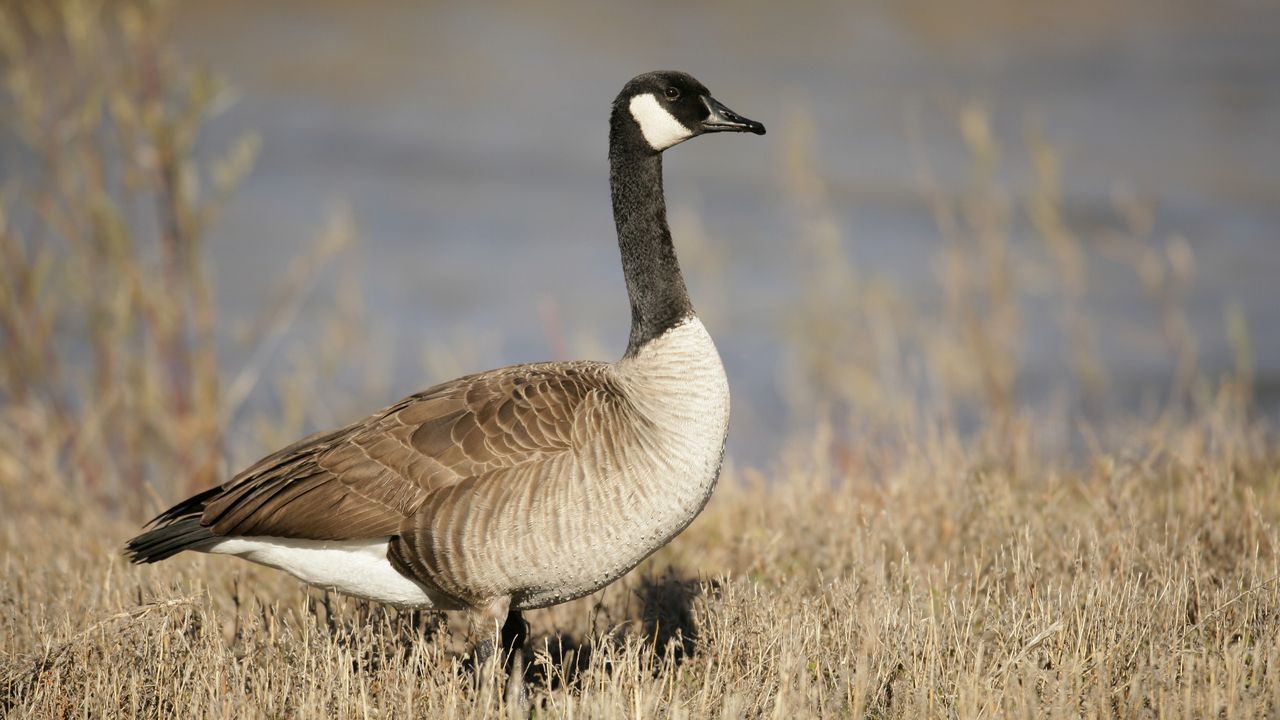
[920, 581]
[939, 551]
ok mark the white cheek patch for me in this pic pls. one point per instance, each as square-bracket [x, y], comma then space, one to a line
[660, 129]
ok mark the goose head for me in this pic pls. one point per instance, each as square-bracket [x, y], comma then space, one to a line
[665, 108]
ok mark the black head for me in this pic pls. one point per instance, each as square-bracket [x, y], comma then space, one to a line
[669, 107]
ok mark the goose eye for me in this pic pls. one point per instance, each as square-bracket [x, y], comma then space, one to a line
[673, 93]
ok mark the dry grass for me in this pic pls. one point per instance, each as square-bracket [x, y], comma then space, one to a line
[920, 581]
[886, 565]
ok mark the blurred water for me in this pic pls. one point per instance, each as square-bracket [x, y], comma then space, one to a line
[469, 139]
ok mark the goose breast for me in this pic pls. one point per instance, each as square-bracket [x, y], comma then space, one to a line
[644, 459]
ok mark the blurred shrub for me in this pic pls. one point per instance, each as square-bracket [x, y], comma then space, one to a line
[886, 363]
[110, 369]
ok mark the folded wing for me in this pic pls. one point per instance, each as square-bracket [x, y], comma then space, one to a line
[365, 479]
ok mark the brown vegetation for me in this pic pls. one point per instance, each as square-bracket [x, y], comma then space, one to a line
[885, 565]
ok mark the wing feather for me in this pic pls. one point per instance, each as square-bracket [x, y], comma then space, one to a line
[508, 425]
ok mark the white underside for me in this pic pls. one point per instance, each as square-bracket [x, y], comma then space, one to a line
[354, 567]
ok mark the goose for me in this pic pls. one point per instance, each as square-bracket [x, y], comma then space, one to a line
[517, 488]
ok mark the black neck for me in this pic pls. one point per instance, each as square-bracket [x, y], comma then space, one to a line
[655, 286]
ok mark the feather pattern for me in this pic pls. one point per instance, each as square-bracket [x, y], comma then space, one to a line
[515, 488]
[536, 482]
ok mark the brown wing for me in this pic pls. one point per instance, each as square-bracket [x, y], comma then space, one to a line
[365, 479]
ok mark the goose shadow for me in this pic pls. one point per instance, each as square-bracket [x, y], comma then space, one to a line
[669, 634]
[663, 613]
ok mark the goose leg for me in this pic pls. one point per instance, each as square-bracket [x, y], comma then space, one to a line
[514, 633]
[501, 644]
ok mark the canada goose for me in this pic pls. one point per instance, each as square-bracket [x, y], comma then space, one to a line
[516, 488]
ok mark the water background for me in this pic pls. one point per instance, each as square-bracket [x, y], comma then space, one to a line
[468, 140]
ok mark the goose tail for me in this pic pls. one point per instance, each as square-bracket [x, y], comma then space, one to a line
[173, 531]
